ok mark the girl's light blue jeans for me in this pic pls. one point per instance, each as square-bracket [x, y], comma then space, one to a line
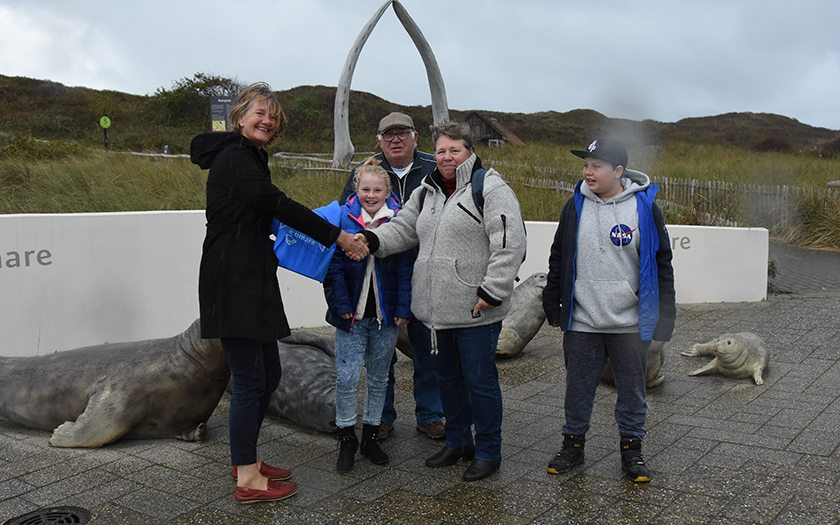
[370, 345]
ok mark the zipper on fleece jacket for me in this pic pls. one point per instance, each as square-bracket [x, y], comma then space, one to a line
[504, 231]
[468, 213]
[436, 217]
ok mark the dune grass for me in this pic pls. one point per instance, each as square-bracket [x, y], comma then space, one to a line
[688, 161]
[101, 181]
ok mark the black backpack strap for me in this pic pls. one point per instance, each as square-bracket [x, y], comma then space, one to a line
[422, 198]
[477, 183]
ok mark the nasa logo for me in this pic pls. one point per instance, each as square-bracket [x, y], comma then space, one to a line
[621, 235]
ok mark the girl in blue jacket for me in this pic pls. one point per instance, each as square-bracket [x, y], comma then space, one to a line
[368, 301]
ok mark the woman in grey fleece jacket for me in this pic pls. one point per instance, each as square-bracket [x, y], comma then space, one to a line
[461, 288]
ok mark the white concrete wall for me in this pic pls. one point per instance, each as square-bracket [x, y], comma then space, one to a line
[714, 265]
[711, 264]
[74, 280]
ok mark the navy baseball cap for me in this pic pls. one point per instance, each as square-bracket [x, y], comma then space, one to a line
[607, 149]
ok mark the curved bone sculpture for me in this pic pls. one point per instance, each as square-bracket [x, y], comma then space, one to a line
[159, 388]
[343, 148]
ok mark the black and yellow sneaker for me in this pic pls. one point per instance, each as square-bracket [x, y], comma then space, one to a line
[570, 455]
[632, 461]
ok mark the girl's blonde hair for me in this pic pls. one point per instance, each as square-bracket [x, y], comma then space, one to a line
[371, 166]
[251, 94]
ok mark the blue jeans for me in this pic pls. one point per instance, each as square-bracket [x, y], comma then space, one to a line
[255, 369]
[427, 407]
[469, 388]
[369, 345]
[585, 355]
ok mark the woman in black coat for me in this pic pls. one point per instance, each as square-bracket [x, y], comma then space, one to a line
[239, 296]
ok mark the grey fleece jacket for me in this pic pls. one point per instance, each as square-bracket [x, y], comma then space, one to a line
[462, 255]
[607, 277]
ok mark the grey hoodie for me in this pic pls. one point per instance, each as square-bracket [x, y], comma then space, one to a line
[462, 255]
[606, 290]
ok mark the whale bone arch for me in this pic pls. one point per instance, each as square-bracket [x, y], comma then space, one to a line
[343, 148]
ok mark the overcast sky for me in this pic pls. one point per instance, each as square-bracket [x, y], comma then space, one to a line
[662, 60]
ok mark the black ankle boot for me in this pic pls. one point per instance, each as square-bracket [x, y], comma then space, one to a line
[481, 468]
[570, 455]
[370, 445]
[449, 456]
[349, 445]
[632, 461]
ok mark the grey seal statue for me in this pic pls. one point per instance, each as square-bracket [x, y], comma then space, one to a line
[92, 396]
[306, 393]
[655, 358]
[525, 318]
[523, 321]
[736, 355]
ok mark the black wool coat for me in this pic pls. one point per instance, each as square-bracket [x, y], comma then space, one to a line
[237, 286]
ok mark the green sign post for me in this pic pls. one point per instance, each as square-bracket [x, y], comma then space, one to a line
[105, 122]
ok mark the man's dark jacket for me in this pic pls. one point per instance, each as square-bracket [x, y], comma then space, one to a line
[237, 285]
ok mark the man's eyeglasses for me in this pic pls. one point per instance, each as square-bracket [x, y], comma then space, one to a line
[388, 136]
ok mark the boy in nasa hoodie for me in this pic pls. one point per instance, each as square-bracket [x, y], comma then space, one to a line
[610, 288]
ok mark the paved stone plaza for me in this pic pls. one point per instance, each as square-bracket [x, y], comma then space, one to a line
[721, 451]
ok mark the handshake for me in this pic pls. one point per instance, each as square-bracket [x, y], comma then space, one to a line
[355, 246]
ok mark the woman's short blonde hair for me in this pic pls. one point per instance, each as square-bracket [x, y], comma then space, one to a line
[251, 94]
[371, 166]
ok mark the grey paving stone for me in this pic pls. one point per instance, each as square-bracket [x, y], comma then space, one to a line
[722, 451]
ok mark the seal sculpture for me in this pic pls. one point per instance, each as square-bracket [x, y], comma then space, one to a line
[655, 358]
[403, 343]
[92, 396]
[525, 318]
[736, 355]
[306, 393]
[523, 321]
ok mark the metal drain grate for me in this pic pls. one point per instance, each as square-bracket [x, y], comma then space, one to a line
[53, 516]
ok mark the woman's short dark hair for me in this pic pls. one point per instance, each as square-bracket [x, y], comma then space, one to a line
[251, 94]
[455, 131]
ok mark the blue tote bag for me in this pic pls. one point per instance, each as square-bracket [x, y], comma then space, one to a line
[301, 253]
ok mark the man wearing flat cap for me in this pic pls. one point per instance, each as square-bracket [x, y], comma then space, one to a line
[406, 166]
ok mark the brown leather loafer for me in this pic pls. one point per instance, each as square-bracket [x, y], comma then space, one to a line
[434, 430]
[275, 492]
[384, 430]
[272, 473]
